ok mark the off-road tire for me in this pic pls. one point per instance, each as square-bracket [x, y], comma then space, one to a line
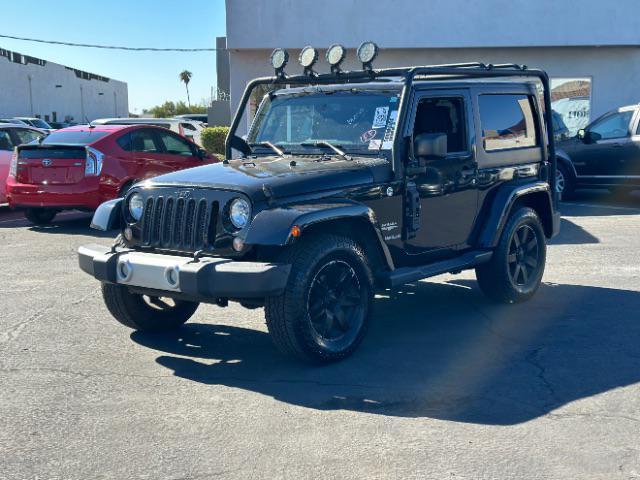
[495, 277]
[40, 216]
[133, 311]
[287, 315]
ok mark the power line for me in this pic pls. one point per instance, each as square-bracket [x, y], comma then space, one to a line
[112, 47]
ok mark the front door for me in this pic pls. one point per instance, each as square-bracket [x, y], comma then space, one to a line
[607, 149]
[447, 190]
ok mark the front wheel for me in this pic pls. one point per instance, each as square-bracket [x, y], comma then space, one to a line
[515, 270]
[146, 313]
[40, 216]
[323, 314]
[565, 185]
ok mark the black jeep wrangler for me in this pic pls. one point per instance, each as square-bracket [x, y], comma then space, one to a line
[347, 183]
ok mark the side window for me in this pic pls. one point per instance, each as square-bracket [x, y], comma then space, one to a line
[188, 126]
[5, 141]
[142, 141]
[443, 115]
[507, 122]
[27, 136]
[124, 142]
[615, 125]
[175, 145]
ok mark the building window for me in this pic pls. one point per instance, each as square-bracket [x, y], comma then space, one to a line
[571, 105]
[508, 122]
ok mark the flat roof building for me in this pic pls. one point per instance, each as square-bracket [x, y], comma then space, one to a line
[32, 87]
[590, 50]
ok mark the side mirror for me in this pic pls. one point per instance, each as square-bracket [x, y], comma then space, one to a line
[581, 134]
[202, 153]
[430, 146]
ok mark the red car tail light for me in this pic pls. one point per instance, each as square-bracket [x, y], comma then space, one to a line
[93, 165]
[13, 168]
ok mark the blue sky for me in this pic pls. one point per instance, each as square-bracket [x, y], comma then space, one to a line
[152, 76]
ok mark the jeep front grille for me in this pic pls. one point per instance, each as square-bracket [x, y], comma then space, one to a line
[185, 224]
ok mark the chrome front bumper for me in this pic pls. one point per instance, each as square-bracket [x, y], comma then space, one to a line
[204, 279]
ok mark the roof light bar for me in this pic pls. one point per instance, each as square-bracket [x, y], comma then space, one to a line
[367, 53]
[279, 58]
[308, 58]
[335, 56]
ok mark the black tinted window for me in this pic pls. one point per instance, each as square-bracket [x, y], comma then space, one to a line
[125, 142]
[73, 137]
[175, 145]
[27, 136]
[507, 122]
[143, 141]
[5, 140]
[443, 115]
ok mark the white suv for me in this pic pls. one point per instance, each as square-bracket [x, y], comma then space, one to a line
[187, 128]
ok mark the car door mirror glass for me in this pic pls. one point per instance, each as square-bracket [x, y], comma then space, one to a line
[581, 134]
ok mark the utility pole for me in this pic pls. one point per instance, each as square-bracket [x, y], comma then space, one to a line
[115, 105]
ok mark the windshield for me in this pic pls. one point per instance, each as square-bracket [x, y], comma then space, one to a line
[73, 137]
[36, 122]
[356, 121]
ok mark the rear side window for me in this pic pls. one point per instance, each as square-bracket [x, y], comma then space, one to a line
[5, 140]
[507, 121]
[27, 136]
[73, 137]
[124, 142]
[188, 126]
[143, 141]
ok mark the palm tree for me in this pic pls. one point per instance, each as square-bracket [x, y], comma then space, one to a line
[185, 76]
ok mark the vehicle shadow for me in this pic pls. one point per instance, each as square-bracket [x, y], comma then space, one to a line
[572, 234]
[437, 350]
[600, 203]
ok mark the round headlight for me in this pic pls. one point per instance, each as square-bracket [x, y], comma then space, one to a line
[279, 58]
[336, 54]
[367, 52]
[136, 206]
[239, 212]
[308, 56]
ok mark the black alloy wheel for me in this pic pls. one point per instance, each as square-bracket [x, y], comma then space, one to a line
[336, 305]
[523, 257]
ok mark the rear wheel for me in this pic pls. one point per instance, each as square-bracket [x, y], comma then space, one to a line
[40, 216]
[324, 312]
[517, 265]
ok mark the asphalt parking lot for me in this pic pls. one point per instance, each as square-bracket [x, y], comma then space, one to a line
[445, 386]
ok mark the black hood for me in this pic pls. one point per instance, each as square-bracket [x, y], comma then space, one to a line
[284, 177]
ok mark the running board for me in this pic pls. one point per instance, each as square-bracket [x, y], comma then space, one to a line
[401, 276]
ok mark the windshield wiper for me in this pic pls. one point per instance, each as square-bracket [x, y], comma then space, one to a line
[270, 145]
[324, 143]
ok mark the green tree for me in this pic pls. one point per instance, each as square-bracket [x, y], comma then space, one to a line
[185, 77]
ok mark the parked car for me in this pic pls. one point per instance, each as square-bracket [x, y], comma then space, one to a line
[59, 125]
[187, 128]
[36, 122]
[604, 154]
[374, 179]
[13, 121]
[81, 167]
[12, 135]
[198, 117]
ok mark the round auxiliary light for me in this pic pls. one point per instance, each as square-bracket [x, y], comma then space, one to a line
[336, 54]
[239, 212]
[279, 58]
[308, 57]
[367, 53]
[136, 206]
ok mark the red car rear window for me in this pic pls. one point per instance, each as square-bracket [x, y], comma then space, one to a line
[73, 137]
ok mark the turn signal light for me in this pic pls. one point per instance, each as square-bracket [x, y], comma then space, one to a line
[295, 231]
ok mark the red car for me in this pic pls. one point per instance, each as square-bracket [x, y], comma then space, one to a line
[82, 167]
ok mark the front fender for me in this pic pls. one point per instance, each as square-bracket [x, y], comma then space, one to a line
[273, 226]
[107, 216]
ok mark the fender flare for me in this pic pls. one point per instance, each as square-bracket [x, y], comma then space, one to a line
[108, 215]
[507, 196]
[272, 227]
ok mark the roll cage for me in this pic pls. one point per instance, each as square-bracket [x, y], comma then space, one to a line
[408, 75]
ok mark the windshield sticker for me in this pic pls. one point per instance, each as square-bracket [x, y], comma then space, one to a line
[387, 140]
[380, 117]
[368, 135]
[375, 144]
